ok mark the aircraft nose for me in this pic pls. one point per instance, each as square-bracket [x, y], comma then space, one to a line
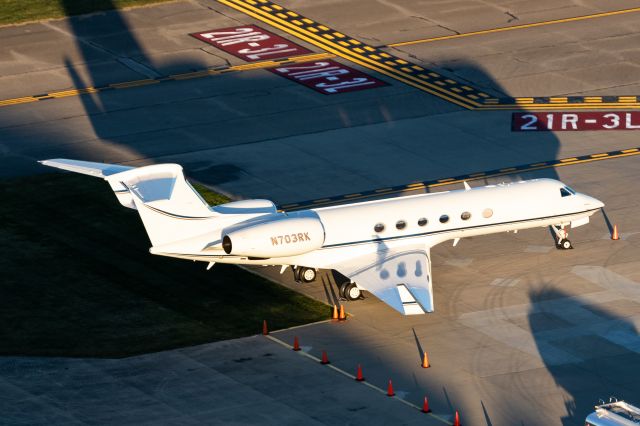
[593, 203]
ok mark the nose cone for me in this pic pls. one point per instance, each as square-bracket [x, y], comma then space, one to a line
[592, 203]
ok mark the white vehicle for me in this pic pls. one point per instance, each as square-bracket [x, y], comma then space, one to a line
[382, 246]
[614, 413]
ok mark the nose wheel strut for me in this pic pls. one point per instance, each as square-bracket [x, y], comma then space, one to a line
[562, 237]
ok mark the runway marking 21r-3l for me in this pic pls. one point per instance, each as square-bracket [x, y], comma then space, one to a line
[252, 43]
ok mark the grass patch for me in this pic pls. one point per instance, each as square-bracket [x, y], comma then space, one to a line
[213, 198]
[78, 280]
[17, 11]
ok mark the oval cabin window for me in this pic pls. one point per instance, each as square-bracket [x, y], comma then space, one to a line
[401, 224]
[465, 216]
[379, 227]
[422, 221]
[487, 213]
[444, 218]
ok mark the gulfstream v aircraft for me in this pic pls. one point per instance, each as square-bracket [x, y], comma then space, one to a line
[382, 246]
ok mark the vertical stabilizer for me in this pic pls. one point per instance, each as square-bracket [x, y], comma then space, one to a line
[170, 208]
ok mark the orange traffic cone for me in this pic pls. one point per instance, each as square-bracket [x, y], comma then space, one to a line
[359, 376]
[296, 344]
[390, 391]
[456, 419]
[265, 330]
[614, 235]
[342, 315]
[335, 313]
[425, 361]
[325, 358]
[425, 406]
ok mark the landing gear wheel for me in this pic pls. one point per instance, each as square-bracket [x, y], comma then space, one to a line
[308, 275]
[565, 244]
[350, 291]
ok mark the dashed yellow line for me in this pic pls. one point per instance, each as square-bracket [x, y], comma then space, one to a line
[411, 187]
[518, 27]
[173, 77]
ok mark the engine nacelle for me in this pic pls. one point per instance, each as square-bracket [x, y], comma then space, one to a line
[276, 237]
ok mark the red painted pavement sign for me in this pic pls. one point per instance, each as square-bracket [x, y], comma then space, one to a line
[328, 77]
[574, 121]
[251, 43]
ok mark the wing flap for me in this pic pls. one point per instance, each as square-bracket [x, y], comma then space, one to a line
[400, 277]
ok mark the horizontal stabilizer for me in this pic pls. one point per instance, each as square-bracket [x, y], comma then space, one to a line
[170, 208]
[86, 167]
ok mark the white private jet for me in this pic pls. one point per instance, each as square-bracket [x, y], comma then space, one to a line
[382, 246]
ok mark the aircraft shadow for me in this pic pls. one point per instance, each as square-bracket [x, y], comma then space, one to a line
[587, 349]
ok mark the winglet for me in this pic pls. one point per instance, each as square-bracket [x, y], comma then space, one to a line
[466, 185]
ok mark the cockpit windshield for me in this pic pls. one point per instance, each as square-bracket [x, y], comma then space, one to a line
[567, 191]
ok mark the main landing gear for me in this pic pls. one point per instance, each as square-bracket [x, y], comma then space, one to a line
[305, 275]
[347, 290]
[562, 237]
[350, 291]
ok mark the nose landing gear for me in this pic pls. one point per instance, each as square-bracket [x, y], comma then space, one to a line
[562, 242]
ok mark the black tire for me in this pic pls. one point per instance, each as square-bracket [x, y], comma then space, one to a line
[350, 291]
[308, 275]
[566, 244]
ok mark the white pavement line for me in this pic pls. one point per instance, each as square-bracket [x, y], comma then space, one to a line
[302, 326]
[351, 376]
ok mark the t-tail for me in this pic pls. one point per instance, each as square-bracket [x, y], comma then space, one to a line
[171, 210]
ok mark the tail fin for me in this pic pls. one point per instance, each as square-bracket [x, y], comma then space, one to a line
[170, 208]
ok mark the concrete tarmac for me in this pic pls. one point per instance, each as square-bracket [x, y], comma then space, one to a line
[522, 333]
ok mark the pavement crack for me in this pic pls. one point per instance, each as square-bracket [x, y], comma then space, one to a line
[512, 17]
[449, 29]
[208, 52]
[211, 8]
[422, 18]
[128, 62]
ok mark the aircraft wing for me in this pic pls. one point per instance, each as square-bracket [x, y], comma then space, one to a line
[400, 277]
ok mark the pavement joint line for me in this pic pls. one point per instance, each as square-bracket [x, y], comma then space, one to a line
[518, 27]
[365, 195]
[391, 66]
[352, 377]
